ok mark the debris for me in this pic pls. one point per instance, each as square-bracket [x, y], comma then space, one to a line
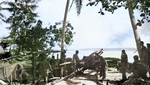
[2, 82]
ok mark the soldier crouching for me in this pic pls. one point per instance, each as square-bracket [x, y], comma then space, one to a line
[139, 70]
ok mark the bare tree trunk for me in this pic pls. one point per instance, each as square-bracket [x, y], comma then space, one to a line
[134, 27]
[64, 24]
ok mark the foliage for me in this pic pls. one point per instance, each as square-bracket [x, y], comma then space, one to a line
[78, 4]
[2, 17]
[112, 62]
[55, 33]
[20, 21]
[68, 69]
[31, 1]
[112, 5]
[27, 34]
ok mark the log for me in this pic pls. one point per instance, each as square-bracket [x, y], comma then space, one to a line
[65, 78]
[68, 76]
[65, 63]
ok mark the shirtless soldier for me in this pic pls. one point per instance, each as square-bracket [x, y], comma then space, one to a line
[76, 60]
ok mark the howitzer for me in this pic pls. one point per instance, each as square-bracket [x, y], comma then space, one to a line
[93, 62]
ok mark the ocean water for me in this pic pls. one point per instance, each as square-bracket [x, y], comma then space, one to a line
[113, 54]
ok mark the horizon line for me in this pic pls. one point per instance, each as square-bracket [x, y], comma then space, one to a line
[105, 49]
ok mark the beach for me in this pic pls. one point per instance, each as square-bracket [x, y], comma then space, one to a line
[91, 79]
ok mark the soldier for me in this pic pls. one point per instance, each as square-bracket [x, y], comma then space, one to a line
[44, 70]
[143, 53]
[76, 60]
[124, 63]
[103, 65]
[63, 56]
[139, 70]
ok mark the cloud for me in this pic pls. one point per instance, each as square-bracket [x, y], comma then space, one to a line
[94, 30]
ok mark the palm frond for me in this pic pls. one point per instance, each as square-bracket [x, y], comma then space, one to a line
[8, 9]
[1, 15]
[4, 2]
[32, 7]
[78, 6]
[71, 4]
[2, 19]
[11, 4]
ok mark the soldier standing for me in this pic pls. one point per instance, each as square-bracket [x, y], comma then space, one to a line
[44, 70]
[63, 56]
[143, 53]
[124, 63]
[76, 60]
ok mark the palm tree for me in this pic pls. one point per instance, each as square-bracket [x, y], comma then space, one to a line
[63, 29]
[134, 26]
[78, 7]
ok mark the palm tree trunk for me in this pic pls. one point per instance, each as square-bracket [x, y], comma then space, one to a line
[134, 27]
[64, 24]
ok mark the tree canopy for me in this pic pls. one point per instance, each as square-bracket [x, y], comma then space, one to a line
[112, 5]
[28, 34]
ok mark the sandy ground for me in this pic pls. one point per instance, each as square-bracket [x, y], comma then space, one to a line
[90, 79]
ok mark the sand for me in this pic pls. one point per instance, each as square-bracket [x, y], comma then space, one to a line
[91, 79]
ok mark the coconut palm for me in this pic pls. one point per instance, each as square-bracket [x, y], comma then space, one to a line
[78, 7]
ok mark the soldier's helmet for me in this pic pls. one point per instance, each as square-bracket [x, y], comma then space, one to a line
[135, 57]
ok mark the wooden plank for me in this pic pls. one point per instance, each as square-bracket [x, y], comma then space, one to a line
[65, 63]
[61, 72]
[54, 78]
[65, 78]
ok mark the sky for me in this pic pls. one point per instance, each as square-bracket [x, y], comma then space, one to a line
[92, 29]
